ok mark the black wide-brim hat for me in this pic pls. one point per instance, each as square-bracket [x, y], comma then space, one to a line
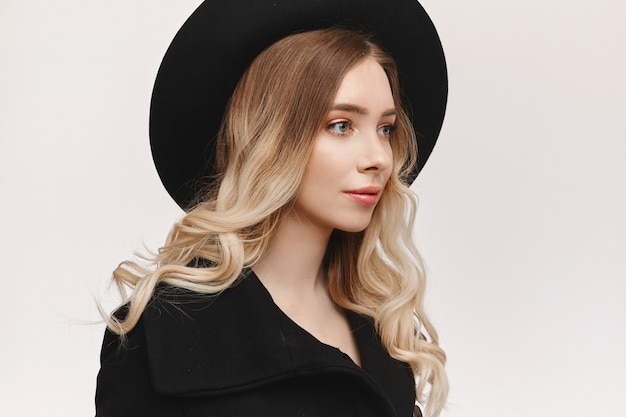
[220, 40]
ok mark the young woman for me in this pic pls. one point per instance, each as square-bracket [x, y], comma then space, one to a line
[291, 287]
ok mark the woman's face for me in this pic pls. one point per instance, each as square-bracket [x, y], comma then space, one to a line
[351, 159]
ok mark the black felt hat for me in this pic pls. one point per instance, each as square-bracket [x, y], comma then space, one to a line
[221, 39]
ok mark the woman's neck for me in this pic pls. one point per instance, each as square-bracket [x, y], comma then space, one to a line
[291, 271]
[293, 260]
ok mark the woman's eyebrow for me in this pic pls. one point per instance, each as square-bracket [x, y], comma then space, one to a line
[353, 108]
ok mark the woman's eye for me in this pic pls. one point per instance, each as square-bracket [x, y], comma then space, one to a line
[386, 130]
[339, 128]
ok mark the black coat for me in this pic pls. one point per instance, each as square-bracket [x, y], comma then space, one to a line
[238, 354]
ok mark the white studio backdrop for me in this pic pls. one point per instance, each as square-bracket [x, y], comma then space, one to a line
[521, 219]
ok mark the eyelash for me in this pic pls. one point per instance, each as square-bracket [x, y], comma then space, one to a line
[330, 127]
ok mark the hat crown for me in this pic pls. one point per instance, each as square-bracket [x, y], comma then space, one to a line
[220, 40]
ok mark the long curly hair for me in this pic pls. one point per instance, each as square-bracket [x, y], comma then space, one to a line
[276, 111]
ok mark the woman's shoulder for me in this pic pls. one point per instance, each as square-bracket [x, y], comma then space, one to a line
[190, 340]
[170, 310]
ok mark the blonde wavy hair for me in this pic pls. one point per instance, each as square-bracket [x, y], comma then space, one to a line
[276, 111]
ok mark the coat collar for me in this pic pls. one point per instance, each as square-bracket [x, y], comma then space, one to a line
[201, 344]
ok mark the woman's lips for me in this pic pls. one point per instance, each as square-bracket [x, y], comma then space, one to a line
[367, 196]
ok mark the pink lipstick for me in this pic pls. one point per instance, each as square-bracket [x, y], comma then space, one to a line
[368, 196]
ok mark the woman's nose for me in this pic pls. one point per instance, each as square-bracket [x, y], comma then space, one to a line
[376, 154]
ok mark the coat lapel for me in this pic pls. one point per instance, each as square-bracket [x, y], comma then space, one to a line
[201, 344]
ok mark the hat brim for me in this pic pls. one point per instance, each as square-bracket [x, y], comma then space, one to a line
[220, 40]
